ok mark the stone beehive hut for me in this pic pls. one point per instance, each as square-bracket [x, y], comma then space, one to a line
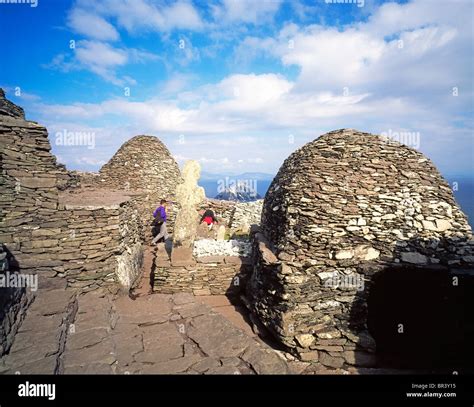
[342, 210]
[142, 163]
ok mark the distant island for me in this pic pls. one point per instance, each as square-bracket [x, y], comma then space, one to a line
[233, 194]
[244, 187]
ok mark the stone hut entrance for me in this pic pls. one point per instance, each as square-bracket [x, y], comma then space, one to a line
[417, 317]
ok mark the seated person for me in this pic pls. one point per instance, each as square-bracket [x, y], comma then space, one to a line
[209, 218]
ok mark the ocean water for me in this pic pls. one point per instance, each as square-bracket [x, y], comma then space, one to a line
[463, 189]
[210, 187]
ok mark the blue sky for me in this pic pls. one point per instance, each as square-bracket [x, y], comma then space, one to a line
[240, 84]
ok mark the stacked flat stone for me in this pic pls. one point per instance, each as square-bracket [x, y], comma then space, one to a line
[247, 214]
[70, 180]
[211, 275]
[87, 246]
[74, 246]
[342, 208]
[8, 108]
[131, 248]
[43, 235]
[142, 163]
[28, 200]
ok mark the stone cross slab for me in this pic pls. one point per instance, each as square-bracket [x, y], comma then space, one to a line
[188, 195]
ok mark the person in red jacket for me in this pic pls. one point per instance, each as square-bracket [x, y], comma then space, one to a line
[209, 218]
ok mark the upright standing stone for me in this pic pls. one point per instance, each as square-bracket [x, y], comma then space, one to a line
[221, 233]
[189, 195]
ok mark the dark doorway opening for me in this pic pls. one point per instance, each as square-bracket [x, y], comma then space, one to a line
[421, 319]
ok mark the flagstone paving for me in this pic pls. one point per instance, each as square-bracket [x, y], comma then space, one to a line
[99, 332]
[104, 332]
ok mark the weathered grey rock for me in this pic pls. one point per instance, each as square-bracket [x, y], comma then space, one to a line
[264, 361]
[340, 210]
[180, 365]
[305, 340]
[206, 364]
[189, 195]
[221, 233]
[331, 361]
[363, 359]
[217, 337]
[9, 108]
[414, 258]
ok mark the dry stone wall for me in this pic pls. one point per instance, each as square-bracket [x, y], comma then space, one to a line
[80, 246]
[143, 167]
[28, 203]
[131, 248]
[28, 198]
[100, 246]
[43, 234]
[340, 210]
[13, 305]
[211, 275]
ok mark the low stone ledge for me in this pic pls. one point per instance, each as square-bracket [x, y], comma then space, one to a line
[201, 279]
[210, 259]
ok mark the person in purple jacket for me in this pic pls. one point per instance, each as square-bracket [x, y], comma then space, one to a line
[160, 218]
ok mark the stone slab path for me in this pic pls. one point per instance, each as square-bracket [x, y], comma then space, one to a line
[153, 334]
[108, 333]
[104, 332]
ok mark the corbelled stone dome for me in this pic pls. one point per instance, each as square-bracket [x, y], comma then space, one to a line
[348, 187]
[142, 163]
[340, 210]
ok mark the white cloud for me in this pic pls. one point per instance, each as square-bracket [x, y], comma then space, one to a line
[249, 92]
[91, 25]
[185, 52]
[178, 82]
[248, 11]
[238, 103]
[95, 53]
[394, 71]
[89, 161]
[101, 59]
[139, 15]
